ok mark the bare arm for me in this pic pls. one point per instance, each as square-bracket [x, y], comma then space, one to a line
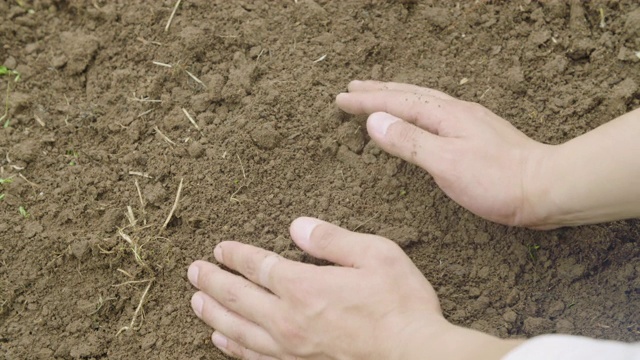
[594, 177]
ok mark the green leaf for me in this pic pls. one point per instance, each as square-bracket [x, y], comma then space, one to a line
[23, 212]
[1, 196]
[6, 181]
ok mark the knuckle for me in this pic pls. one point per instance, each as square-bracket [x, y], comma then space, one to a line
[290, 332]
[324, 235]
[249, 265]
[232, 294]
[387, 253]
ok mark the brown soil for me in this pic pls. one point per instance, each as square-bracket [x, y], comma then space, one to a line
[272, 147]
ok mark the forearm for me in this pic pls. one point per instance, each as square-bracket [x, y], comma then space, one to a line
[594, 177]
[459, 343]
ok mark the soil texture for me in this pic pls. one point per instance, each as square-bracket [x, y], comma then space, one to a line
[236, 101]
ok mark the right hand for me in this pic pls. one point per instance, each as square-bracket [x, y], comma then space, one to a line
[477, 158]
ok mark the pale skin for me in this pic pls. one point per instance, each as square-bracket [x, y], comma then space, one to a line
[374, 303]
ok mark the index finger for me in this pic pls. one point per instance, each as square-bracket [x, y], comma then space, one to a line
[373, 85]
[427, 112]
[259, 266]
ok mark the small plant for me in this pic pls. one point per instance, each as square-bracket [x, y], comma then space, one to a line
[23, 212]
[74, 154]
[403, 192]
[6, 181]
[1, 196]
[533, 251]
[4, 71]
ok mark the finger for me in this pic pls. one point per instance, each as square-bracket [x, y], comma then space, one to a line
[428, 112]
[234, 349]
[407, 141]
[232, 291]
[234, 326]
[373, 85]
[258, 265]
[330, 242]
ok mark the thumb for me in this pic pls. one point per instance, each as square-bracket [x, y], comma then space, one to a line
[326, 241]
[405, 140]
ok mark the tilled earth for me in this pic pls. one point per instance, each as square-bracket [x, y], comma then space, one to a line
[96, 143]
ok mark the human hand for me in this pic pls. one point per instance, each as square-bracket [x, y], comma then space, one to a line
[477, 158]
[376, 305]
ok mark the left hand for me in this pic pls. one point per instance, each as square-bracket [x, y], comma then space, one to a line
[375, 305]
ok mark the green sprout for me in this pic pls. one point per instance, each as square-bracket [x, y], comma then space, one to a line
[533, 251]
[23, 212]
[6, 181]
[403, 192]
[4, 71]
[73, 154]
[1, 197]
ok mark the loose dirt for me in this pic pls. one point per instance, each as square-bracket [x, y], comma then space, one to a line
[271, 146]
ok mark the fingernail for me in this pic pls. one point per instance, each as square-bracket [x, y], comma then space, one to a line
[219, 340]
[196, 304]
[192, 274]
[304, 227]
[379, 122]
[217, 253]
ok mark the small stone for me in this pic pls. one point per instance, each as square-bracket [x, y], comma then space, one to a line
[402, 235]
[195, 150]
[537, 326]
[266, 137]
[556, 309]
[10, 63]
[350, 135]
[581, 49]
[482, 238]
[513, 297]
[510, 316]
[564, 326]
[32, 229]
[79, 248]
[26, 151]
[30, 48]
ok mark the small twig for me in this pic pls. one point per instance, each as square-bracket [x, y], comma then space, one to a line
[39, 120]
[131, 282]
[365, 222]
[244, 175]
[139, 193]
[196, 79]
[320, 58]
[135, 314]
[125, 272]
[175, 206]
[146, 100]
[145, 113]
[173, 13]
[141, 174]
[190, 119]
[28, 182]
[164, 136]
[130, 216]
[162, 64]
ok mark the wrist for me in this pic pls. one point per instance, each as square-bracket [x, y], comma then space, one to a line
[453, 342]
[540, 209]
